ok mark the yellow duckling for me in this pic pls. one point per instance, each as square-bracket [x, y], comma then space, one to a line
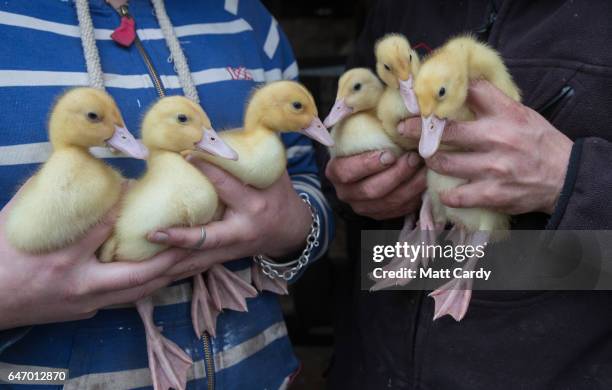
[173, 192]
[73, 190]
[397, 64]
[441, 88]
[356, 128]
[281, 106]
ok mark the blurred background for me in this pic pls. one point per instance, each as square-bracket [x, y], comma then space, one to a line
[322, 33]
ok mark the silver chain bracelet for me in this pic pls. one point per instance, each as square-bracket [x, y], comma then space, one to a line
[288, 270]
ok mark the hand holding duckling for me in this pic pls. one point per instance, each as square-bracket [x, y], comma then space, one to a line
[51, 229]
[377, 184]
[70, 283]
[374, 184]
[251, 222]
[517, 160]
[264, 214]
[442, 90]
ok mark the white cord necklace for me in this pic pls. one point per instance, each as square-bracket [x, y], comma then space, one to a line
[92, 56]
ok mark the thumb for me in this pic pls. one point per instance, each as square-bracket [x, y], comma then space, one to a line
[230, 189]
[484, 98]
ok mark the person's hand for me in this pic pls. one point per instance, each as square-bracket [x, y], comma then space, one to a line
[377, 184]
[71, 283]
[273, 221]
[514, 159]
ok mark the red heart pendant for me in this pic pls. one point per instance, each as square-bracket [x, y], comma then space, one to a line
[125, 33]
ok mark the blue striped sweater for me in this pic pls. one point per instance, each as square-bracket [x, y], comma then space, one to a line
[231, 46]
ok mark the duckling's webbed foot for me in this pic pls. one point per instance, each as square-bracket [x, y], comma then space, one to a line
[228, 290]
[453, 298]
[407, 229]
[411, 235]
[427, 224]
[204, 310]
[168, 363]
[426, 233]
[263, 282]
[428, 229]
[457, 235]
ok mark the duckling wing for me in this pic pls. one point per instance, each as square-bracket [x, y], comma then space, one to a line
[178, 195]
[391, 110]
[65, 199]
[360, 133]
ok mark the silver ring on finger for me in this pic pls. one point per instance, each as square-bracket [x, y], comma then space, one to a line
[198, 245]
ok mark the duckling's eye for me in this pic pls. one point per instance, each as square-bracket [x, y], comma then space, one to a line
[442, 92]
[387, 67]
[357, 87]
[93, 117]
[182, 118]
[297, 105]
[410, 58]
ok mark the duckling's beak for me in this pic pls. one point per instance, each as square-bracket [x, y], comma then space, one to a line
[125, 142]
[317, 131]
[431, 133]
[408, 95]
[338, 112]
[213, 144]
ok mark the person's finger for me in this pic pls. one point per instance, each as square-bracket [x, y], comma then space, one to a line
[466, 165]
[456, 133]
[346, 170]
[485, 98]
[103, 277]
[411, 127]
[399, 202]
[477, 194]
[383, 183]
[132, 294]
[230, 189]
[216, 235]
[200, 261]
[469, 135]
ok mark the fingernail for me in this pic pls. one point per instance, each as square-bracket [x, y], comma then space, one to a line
[401, 128]
[386, 158]
[160, 237]
[189, 158]
[414, 160]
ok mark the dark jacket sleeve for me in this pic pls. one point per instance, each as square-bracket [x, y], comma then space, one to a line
[584, 202]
